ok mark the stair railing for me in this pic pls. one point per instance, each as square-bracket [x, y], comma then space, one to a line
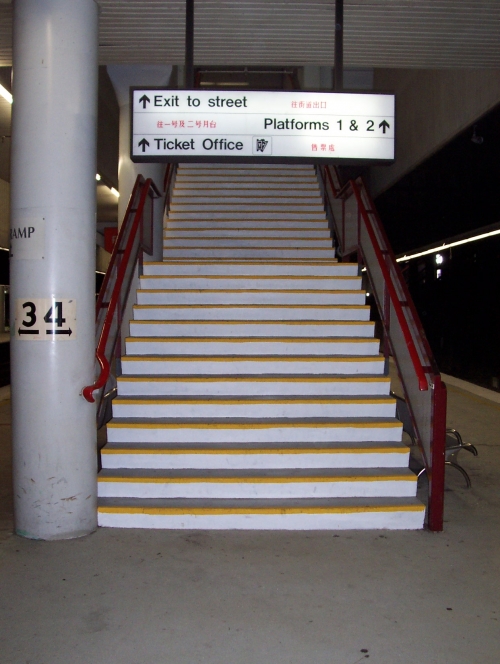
[135, 238]
[359, 232]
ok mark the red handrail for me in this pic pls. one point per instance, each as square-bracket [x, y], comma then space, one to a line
[419, 370]
[417, 364]
[428, 412]
[148, 188]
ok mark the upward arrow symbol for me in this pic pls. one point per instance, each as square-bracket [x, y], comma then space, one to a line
[143, 144]
[385, 125]
[144, 100]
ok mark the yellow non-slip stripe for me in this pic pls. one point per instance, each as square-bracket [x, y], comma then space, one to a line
[193, 194]
[250, 379]
[273, 204]
[249, 358]
[281, 425]
[309, 291]
[281, 452]
[222, 511]
[268, 178]
[246, 277]
[197, 321]
[253, 247]
[336, 307]
[245, 238]
[242, 401]
[256, 480]
[262, 261]
[240, 231]
[241, 340]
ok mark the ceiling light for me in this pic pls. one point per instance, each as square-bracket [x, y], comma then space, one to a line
[448, 246]
[97, 177]
[5, 94]
[439, 259]
[114, 192]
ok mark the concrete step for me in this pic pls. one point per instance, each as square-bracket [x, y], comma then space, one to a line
[219, 385]
[270, 214]
[243, 207]
[262, 365]
[252, 312]
[214, 243]
[281, 225]
[184, 185]
[262, 407]
[231, 168]
[264, 484]
[250, 296]
[323, 346]
[239, 457]
[312, 514]
[247, 430]
[330, 268]
[250, 252]
[253, 197]
[249, 328]
[245, 233]
[265, 282]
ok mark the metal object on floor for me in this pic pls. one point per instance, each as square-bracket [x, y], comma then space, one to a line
[454, 441]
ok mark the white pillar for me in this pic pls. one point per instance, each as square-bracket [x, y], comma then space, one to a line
[122, 77]
[53, 191]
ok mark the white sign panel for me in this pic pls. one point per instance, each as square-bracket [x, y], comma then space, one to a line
[45, 319]
[27, 239]
[181, 125]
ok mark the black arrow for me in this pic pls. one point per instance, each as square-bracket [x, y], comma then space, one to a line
[143, 144]
[68, 332]
[28, 331]
[144, 100]
[385, 125]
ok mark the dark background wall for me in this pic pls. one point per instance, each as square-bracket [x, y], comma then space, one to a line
[455, 191]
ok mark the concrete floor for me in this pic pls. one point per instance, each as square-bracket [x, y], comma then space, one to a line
[153, 597]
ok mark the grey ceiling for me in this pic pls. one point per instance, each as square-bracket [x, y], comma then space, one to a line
[378, 33]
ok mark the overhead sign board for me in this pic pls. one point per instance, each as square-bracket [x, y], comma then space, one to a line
[194, 125]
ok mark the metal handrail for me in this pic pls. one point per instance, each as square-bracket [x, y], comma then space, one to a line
[123, 256]
[168, 183]
[428, 412]
[417, 364]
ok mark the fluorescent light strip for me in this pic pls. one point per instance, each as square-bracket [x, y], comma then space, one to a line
[447, 246]
[115, 192]
[5, 94]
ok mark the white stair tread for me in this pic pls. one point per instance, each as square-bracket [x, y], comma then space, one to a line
[304, 514]
[248, 385]
[160, 328]
[252, 456]
[256, 483]
[254, 312]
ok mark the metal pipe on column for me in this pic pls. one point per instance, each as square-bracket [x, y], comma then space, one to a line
[189, 44]
[53, 213]
[338, 80]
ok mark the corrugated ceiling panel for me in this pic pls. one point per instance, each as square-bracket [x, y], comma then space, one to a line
[378, 33]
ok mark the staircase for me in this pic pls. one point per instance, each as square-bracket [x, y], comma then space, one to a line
[253, 394]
